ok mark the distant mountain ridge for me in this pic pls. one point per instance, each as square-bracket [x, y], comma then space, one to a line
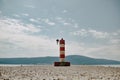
[74, 59]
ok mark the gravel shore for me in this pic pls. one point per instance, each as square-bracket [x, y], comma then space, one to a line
[49, 72]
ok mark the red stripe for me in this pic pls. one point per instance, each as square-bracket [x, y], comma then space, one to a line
[62, 41]
[62, 55]
[62, 48]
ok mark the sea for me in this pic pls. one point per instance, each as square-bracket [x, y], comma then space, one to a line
[109, 65]
[117, 65]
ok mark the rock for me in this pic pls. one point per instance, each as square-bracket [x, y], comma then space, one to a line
[6, 79]
[0, 74]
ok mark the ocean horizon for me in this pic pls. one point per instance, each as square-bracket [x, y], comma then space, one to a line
[117, 65]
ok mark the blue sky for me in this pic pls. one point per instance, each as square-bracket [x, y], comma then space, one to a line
[29, 28]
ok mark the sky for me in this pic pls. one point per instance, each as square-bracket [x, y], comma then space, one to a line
[29, 28]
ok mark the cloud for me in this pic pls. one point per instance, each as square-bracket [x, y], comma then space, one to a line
[29, 46]
[34, 20]
[81, 32]
[76, 25]
[0, 12]
[15, 26]
[58, 18]
[25, 14]
[67, 24]
[49, 22]
[74, 48]
[116, 33]
[12, 27]
[106, 52]
[94, 33]
[115, 38]
[114, 41]
[16, 15]
[30, 6]
[98, 34]
[18, 39]
[112, 38]
[64, 11]
[109, 51]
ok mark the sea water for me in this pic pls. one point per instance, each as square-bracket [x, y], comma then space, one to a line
[118, 65]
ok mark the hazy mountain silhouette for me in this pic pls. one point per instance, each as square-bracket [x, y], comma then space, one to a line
[74, 59]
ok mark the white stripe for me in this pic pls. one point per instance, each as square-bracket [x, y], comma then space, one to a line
[62, 52]
[62, 59]
[62, 45]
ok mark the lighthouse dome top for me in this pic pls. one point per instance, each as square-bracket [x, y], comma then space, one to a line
[62, 41]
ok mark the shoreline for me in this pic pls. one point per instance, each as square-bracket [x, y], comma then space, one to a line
[112, 65]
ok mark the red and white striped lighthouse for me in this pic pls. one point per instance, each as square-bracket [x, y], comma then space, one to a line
[62, 50]
[62, 54]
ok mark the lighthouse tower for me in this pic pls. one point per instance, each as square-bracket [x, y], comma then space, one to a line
[62, 54]
[62, 50]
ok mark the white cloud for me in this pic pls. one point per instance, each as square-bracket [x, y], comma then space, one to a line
[64, 11]
[32, 28]
[15, 26]
[81, 32]
[15, 41]
[110, 50]
[9, 27]
[30, 6]
[75, 25]
[49, 22]
[115, 34]
[32, 46]
[16, 35]
[106, 52]
[101, 51]
[58, 18]
[25, 14]
[66, 24]
[16, 15]
[94, 33]
[34, 20]
[115, 41]
[74, 48]
[61, 21]
[98, 34]
[114, 37]
[0, 12]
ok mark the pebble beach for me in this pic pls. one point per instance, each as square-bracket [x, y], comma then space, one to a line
[49, 72]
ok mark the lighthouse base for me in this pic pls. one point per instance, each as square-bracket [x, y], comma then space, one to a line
[61, 63]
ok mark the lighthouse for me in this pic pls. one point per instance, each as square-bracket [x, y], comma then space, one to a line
[62, 50]
[62, 62]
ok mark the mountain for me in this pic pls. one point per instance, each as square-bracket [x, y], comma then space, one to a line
[74, 59]
[77, 59]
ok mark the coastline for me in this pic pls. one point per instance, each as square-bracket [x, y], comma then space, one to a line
[112, 65]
